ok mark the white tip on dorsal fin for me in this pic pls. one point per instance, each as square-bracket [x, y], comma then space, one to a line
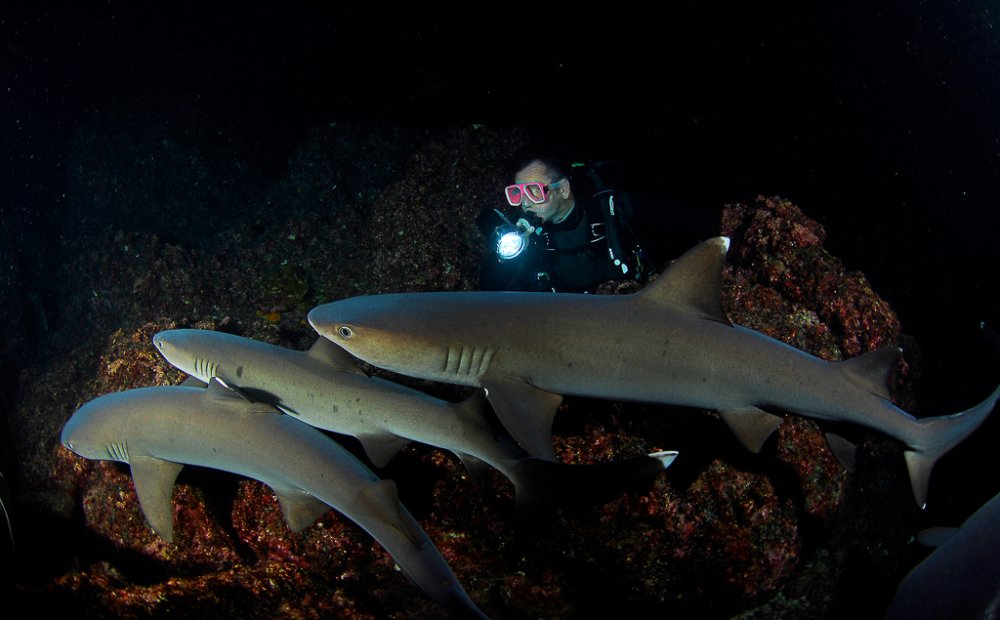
[694, 281]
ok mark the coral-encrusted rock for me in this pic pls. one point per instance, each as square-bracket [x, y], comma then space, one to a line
[780, 275]
[421, 234]
[721, 533]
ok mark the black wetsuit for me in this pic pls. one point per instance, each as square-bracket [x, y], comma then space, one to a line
[571, 256]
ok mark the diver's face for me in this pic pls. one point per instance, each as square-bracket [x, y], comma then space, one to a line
[559, 200]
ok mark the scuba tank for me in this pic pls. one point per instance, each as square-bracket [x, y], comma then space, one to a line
[601, 180]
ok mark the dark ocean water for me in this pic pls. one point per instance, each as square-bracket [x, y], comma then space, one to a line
[883, 124]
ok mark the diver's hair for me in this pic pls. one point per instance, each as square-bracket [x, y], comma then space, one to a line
[557, 166]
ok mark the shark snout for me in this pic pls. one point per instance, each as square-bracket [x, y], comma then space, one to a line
[69, 435]
[159, 341]
[169, 343]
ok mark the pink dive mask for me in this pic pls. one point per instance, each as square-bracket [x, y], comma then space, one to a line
[535, 191]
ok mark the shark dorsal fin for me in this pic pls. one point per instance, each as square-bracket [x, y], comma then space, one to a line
[694, 281]
[871, 369]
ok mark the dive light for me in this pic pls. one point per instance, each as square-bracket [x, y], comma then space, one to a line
[511, 240]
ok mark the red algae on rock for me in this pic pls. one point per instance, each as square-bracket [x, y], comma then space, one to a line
[779, 270]
[722, 533]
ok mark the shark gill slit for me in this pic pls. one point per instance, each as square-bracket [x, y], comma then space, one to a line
[468, 361]
[118, 451]
[204, 367]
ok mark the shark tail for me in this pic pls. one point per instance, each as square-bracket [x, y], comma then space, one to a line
[542, 486]
[938, 435]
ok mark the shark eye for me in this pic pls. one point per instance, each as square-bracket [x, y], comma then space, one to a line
[345, 332]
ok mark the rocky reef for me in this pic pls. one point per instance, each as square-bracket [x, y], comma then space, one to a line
[722, 534]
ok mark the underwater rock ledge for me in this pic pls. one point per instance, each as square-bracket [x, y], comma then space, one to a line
[723, 533]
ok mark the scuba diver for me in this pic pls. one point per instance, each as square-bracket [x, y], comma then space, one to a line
[573, 231]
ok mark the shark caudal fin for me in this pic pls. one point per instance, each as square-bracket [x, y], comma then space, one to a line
[541, 486]
[942, 434]
[938, 435]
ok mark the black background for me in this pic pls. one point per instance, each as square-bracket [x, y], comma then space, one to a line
[882, 123]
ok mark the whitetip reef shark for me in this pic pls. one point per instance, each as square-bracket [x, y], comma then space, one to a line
[670, 343]
[324, 387]
[960, 578]
[158, 430]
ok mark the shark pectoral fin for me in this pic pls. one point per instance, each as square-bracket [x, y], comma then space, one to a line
[934, 537]
[751, 425]
[381, 499]
[154, 484]
[334, 356]
[382, 447]
[193, 382]
[844, 449]
[221, 390]
[474, 466]
[526, 412]
[300, 508]
[224, 393]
